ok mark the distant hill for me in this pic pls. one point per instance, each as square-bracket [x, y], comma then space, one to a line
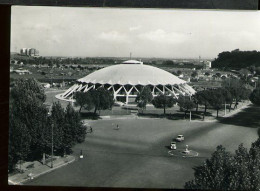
[237, 59]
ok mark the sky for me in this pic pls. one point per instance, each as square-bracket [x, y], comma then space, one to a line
[115, 32]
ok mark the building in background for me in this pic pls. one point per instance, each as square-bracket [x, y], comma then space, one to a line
[29, 52]
[206, 65]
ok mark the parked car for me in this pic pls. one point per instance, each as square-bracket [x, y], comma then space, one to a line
[173, 145]
[180, 138]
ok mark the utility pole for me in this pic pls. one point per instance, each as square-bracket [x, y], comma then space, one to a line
[51, 145]
[225, 109]
[190, 110]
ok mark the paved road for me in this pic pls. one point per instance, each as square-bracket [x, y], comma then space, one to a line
[136, 155]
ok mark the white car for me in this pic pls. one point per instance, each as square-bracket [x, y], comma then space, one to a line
[180, 138]
[173, 145]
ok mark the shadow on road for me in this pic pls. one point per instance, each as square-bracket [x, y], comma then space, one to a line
[174, 116]
[248, 117]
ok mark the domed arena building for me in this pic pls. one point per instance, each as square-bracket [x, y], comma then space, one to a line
[127, 79]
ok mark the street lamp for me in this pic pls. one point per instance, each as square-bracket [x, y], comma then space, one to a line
[51, 145]
[190, 109]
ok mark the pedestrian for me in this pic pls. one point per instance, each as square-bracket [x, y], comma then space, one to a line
[91, 130]
[81, 154]
[117, 127]
[236, 104]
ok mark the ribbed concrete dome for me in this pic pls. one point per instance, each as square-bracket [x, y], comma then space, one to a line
[126, 80]
[132, 74]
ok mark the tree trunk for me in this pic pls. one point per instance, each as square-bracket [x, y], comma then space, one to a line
[164, 111]
[217, 113]
[95, 111]
[205, 109]
[80, 109]
[20, 165]
[230, 106]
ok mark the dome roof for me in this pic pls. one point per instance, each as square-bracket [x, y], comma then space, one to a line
[132, 73]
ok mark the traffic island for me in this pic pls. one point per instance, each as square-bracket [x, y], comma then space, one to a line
[183, 153]
[37, 169]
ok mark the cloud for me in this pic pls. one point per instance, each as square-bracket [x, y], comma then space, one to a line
[114, 36]
[160, 36]
[134, 28]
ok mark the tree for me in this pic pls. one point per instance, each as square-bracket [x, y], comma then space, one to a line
[255, 96]
[83, 99]
[67, 128]
[144, 97]
[163, 101]
[186, 104]
[228, 99]
[216, 99]
[213, 173]
[202, 98]
[28, 116]
[207, 73]
[237, 89]
[237, 59]
[19, 142]
[57, 120]
[102, 99]
[226, 172]
[194, 74]
[179, 72]
[73, 131]
[74, 123]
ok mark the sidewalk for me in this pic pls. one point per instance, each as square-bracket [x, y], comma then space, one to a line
[38, 169]
[241, 106]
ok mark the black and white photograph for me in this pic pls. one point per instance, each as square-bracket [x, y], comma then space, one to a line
[134, 98]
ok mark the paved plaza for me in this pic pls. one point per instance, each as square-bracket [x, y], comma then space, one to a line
[136, 155]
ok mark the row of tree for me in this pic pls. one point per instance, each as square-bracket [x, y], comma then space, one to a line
[232, 91]
[31, 128]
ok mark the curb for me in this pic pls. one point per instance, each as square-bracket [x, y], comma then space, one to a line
[45, 172]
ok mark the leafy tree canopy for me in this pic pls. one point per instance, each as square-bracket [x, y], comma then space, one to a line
[144, 97]
[102, 99]
[237, 59]
[163, 101]
[255, 96]
[224, 171]
[186, 103]
[84, 99]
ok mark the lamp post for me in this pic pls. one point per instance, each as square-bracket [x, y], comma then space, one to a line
[51, 145]
[190, 109]
[225, 109]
